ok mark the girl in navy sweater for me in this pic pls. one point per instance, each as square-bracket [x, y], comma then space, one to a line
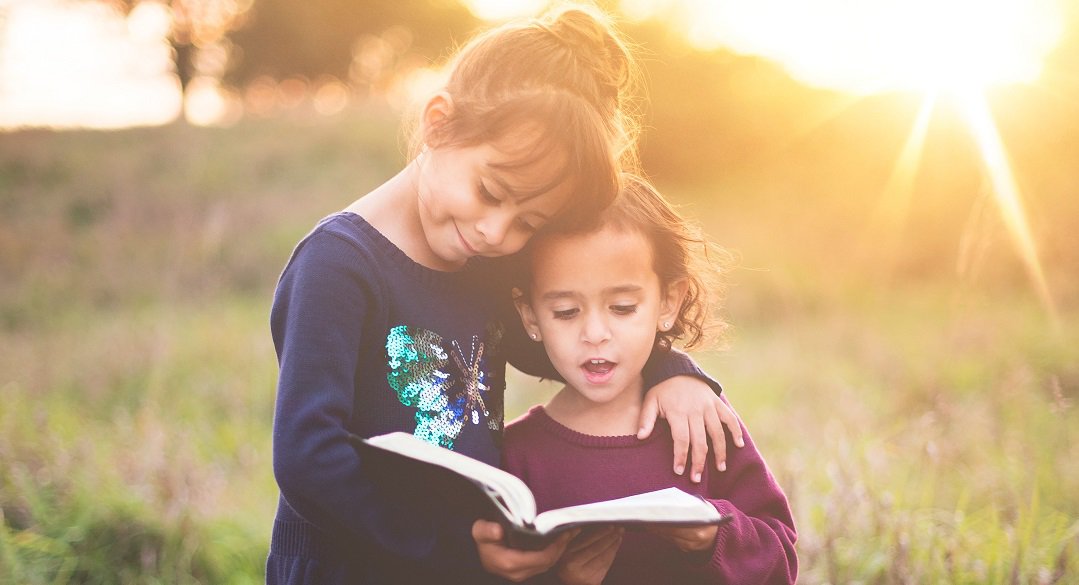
[603, 301]
[387, 316]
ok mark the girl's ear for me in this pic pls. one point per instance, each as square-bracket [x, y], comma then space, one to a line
[671, 303]
[435, 113]
[528, 316]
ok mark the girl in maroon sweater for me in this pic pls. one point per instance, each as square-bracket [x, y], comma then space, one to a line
[600, 301]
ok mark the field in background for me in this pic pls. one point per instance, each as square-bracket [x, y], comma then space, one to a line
[923, 421]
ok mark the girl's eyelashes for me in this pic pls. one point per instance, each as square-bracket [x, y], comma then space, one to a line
[565, 313]
[487, 195]
[490, 199]
[527, 226]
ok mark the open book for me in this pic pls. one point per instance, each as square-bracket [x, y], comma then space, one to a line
[499, 495]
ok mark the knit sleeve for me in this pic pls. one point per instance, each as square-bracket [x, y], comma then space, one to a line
[665, 364]
[757, 547]
[318, 323]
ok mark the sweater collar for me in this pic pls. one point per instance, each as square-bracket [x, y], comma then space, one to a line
[544, 420]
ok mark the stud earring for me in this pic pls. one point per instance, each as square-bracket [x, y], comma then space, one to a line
[535, 337]
[666, 325]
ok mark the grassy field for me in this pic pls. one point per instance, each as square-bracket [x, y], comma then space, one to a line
[923, 422]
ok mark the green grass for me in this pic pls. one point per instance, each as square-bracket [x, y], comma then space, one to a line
[923, 424]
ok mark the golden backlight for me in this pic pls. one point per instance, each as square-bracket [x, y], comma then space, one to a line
[952, 49]
[504, 9]
[868, 46]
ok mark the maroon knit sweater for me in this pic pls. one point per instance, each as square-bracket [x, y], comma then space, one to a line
[564, 468]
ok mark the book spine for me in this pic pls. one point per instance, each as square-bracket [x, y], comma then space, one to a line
[525, 537]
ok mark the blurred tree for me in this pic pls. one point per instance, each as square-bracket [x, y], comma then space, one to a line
[195, 25]
[240, 40]
[709, 111]
[283, 38]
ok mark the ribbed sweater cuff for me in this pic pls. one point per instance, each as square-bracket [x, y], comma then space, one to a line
[297, 539]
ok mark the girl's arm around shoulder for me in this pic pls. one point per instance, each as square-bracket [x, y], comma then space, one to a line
[695, 411]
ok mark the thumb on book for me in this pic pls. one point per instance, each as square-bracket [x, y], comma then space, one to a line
[486, 531]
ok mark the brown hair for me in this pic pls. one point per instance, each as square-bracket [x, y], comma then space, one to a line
[567, 74]
[680, 251]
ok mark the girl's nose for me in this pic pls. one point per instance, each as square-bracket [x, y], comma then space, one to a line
[596, 330]
[494, 228]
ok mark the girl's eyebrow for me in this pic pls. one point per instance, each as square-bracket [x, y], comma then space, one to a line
[625, 288]
[564, 294]
[558, 294]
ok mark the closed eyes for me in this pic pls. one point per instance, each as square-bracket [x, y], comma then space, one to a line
[621, 310]
[566, 313]
[487, 196]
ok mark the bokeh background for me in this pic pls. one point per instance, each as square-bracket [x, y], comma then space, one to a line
[898, 181]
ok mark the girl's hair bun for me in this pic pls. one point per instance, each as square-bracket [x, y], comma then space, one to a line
[591, 36]
[567, 74]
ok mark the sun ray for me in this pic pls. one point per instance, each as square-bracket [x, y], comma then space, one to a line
[886, 225]
[939, 47]
[1005, 190]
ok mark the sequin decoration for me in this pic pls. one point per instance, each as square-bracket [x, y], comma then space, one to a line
[495, 380]
[420, 367]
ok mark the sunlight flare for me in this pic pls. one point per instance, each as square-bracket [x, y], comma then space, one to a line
[1005, 190]
[883, 45]
[938, 47]
[891, 214]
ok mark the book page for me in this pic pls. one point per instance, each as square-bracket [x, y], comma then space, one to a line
[513, 492]
[670, 505]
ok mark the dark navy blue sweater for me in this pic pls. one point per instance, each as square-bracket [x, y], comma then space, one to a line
[369, 342]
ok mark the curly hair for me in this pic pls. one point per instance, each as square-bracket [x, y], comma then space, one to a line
[680, 252]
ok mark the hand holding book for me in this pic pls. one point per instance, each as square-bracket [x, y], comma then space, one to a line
[498, 558]
[589, 556]
[500, 496]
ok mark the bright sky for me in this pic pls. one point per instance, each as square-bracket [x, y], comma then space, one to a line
[81, 64]
[862, 46]
[70, 64]
[65, 63]
[868, 46]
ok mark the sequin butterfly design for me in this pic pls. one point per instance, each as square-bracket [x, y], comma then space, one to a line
[420, 364]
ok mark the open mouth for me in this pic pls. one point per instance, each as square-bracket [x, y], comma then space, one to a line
[598, 370]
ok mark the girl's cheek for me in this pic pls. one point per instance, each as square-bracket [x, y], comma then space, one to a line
[523, 240]
[525, 236]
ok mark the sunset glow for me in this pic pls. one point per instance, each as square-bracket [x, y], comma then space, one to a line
[881, 45]
[66, 64]
[504, 9]
[85, 65]
[948, 48]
